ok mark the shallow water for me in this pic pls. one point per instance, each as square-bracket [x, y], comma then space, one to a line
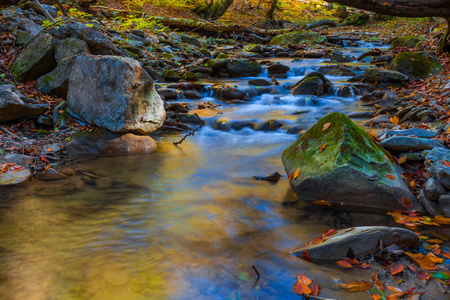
[185, 222]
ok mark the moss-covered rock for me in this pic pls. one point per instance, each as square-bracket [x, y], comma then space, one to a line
[415, 65]
[171, 75]
[70, 47]
[344, 166]
[23, 37]
[409, 41]
[313, 84]
[243, 67]
[253, 48]
[298, 37]
[190, 76]
[218, 63]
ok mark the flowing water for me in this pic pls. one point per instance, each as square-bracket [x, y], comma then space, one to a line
[185, 222]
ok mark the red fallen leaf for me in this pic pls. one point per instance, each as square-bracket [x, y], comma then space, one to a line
[423, 275]
[406, 202]
[11, 164]
[289, 176]
[446, 163]
[394, 289]
[4, 167]
[395, 269]
[304, 279]
[345, 264]
[390, 176]
[325, 127]
[329, 232]
[412, 268]
[395, 296]
[17, 168]
[357, 286]
[350, 229]
[410, 291]
[315, 289]
[371, 123]
[363, 266]
[322, 202]
[43, 158]
[322, 147]
[306, 256]
[317, 240]
[300, 288]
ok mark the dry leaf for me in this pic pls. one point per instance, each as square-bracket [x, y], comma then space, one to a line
[322, 202]
[376, 297]
[390, 176]
[300, 288]
[395, 269]
[345, 264]
[325, 127]
[290, 177]
[446, 163]
[402, 159]
[423, 275]
[315, 289]
[304, 279]
[395, 296]
[357, 286]
[322, 147]
[306, 256]
[406, 202]
[297, 173]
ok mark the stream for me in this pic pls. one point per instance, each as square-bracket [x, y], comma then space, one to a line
[184, 222]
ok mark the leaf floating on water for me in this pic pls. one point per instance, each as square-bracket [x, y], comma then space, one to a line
[306, 256]
[406, 202]
[402, 159]
[345, 264]
[326, 126]
[322, 147]
[290, 177]
[322, 202]
[390, 176]
[304, 279]
[395, 269]
[357, 286]
[297, 173]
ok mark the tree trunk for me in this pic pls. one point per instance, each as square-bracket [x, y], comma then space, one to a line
[271, 10]
[214, 11]
[444, 46]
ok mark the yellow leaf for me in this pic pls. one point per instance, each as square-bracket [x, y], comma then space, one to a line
[402, 159]
[297, 173]
[325, 127]
[322, 147]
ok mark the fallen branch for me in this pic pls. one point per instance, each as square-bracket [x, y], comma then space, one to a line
[6, 131]
[189, 134]
[322, 23]
[44, 11]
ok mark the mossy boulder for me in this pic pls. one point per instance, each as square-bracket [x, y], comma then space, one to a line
[244, 67]
[190, 76]
[313, 84]
[298, 37]
[23, 37]
[382, 75]
[351, 172]
[415, 65]
[185, 38]
[36, 59]
[253, 48]
[409, 41]
[70, 47]
[171, 75]
[218, 63]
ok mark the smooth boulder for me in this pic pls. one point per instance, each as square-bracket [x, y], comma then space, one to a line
[406, 143]
[244, 67]
[115, 93]
[14, 105]
[313, 84]
[415, 65]
[381, 75]
[341, 164]
[361, 241]
[437, 163]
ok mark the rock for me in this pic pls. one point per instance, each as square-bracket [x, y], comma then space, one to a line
[410, 41]
[313, 84]
[229, 93]
[253, 48]
[346, 92]
[36, 59]
[415, 65]
[259, 82]
[435, 166]
[239, 125]
[298, 37]
[185, 38]
[419, 132]
[360, 115]
[18, 159]
[444, 203]
[434, 189]
[381, 75]
[171, 75]
[341, 57]
[70, 47]
[431, 207]
[98, 43]
[23, 37]
[217, 63]
[243, 67]
[434, 291]
[270, 125]
[50, 174]
[11, 177]
[273, 177]
[104, 141]
[168, 94]
[103, 183]
[313, 54]
[192, 94]
[377, 120]
[277, 69]
[361, 241]
[115, 93]
[353, 172]
[406, 143]
[222, 124]
[336, 70]
[44, 120]
[14, 105]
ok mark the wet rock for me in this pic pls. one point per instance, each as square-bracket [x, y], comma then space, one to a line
[444, 203]
[98, 43]
[269, 177]
[434, 189]
[115, 93]
[171, 75]
[336, 70]
[229, 93]
[192, 94]
[239, 125]
[217, 63]
[50, 174]
[185, 38]
[313, 54]
[168, 94]
[353, 169]
[409, 41]
[415, 65]
[381, 75]
[313, 84]
[298, 37]
[431, 207]
[14, 105]
[44, 120]
[18, 159]
[406, 143]
[419, 132]
[437, 169]
[222, 124]
[36, 59]
[242, 67]
[178, 107]
[378, 120]
[253, 48]
[103, 183]
[270, 125]
[341, 57]
[259, 82]
[360, 115]
[346, 92]
[104, 141]
[277, 69]
[11, 177]
[361, 241]
[434, 291]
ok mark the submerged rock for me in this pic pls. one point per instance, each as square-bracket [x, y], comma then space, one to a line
[344, 166]
[361, 241]
[415, 65]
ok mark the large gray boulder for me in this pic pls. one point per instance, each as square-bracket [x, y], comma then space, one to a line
[14, 105]
[361, 241]
[243, 67]
[381, 75]
[344, 166]
[313, 84]
[406, 143]
[115, 93]
[415, 65]
[435, 164]
[36, 59]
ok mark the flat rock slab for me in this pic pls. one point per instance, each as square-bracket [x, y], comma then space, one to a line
[418, 132]
[406, 143]
[434, 164]
[361, 240]
[11, 177]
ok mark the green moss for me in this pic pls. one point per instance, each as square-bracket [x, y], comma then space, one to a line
[415, 65]
[298, 37]
[190, 76]
[409, 41]
[222, 56]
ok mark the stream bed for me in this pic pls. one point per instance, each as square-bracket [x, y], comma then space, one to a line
[184, 222]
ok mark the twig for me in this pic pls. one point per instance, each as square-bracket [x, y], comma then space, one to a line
[6, 131]
[315, 297]
[256, 271]
[189, 134]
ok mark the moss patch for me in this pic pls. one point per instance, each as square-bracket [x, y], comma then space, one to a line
[415, 65]
[298, 37]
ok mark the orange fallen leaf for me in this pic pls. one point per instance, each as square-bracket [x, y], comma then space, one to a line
[434, 241]
[315, 289]
[395, 269]
[290, 176]
[446, 163]
[423, 275]
[406, 202]
[306, 256]
[329, 232]
[297, 173]
[46, 168]
[394, 289]
[49, 150]
[357, 286]
[345, 264]
[423, 261]
[322, 202]
[441, 220]
[402, 159]
[322, 147]
[300, 288]
[395, 296]
[376, 297]
[390, 176]
[304, 279]
[325, 127]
